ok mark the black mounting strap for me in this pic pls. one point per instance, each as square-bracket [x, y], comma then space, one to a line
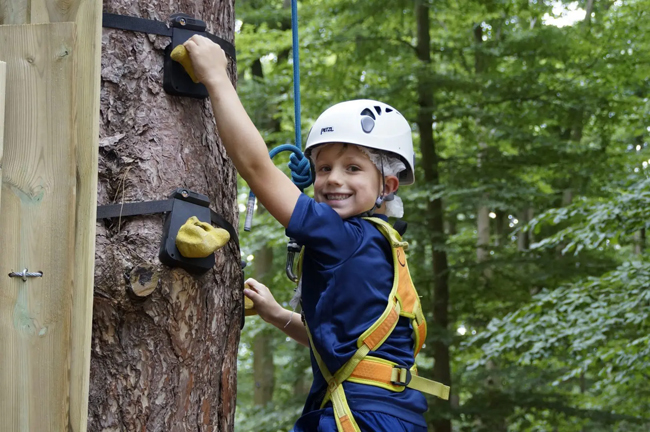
[112, 211]
[143, 25]
[182, 205]
[181, 27]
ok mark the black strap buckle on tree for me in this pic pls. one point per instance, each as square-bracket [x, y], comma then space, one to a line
[181, 27]
[182, 205]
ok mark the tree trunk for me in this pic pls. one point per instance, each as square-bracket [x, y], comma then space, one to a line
[639, 242]
[263, 366]
[524, 238]
[483, 213]
[588, 10]
[435, 219]
[499, 230]
[483, 236]
[164, 344]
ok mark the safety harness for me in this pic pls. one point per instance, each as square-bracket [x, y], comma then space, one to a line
[363, 368]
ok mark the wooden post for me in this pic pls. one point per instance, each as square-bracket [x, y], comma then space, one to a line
[37, 226]
[87, 35]
[3, 79]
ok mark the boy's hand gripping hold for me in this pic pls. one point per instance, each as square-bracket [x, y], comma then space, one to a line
[208, 60]
[271, 311]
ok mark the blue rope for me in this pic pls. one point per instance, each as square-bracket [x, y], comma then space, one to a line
[298, 163]
[296, 69]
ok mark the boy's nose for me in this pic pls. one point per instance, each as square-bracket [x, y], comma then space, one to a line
[335, 177]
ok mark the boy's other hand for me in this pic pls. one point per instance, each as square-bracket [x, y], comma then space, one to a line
[208, 59]
[265, 303]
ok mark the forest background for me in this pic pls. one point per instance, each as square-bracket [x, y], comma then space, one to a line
[527, 222]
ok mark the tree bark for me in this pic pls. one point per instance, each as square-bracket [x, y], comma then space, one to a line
[164, 345]
[435, 219]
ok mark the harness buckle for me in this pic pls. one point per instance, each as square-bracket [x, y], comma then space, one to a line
[400, 376]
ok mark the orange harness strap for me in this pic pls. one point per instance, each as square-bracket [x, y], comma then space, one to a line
[364, 369]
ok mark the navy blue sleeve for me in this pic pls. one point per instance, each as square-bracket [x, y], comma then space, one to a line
[329, 239]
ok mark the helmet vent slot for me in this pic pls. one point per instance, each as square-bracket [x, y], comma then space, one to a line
[389, 110]
[378, 109]
[367, 124]
[368, 113]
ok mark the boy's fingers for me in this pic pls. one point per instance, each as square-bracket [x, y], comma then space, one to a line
[198, 39]
[252, 289]
[189, 45]
[193, 42]
[252, 283]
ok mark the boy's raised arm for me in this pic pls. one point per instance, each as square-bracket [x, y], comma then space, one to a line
[243, 142]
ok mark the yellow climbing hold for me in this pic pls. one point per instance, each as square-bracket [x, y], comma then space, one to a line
[249, 307]
[181, 55]
[198, 239]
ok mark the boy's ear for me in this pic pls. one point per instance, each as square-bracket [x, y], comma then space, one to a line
[391, 184]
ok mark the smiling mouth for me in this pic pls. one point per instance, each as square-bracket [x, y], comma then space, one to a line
[337, 197]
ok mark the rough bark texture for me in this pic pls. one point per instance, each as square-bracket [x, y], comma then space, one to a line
[164, 342]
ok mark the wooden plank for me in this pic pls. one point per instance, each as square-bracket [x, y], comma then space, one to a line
[14, 11]
[87, 14]
[37, 226]
[3, 80]
[88, 17]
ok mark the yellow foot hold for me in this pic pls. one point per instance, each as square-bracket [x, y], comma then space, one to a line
[198, 239]
[181, 55]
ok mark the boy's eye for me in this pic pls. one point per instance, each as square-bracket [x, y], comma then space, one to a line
[324, 168]
[354, 168]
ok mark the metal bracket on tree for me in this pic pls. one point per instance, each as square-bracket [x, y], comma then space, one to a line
[182, 205]
[181, 27]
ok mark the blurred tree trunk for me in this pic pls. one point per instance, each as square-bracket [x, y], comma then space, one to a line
[639, 242]
[164, 346]
[524, 238]
[263, 366]
[490, 422]
[639, 236]
[500, 231]
[435, 219]
[483, 213]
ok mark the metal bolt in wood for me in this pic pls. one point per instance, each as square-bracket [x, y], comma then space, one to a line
[25, 274]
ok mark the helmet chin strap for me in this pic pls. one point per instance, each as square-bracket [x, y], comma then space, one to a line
[382, 197]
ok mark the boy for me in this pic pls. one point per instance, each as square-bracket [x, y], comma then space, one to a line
[362, 151]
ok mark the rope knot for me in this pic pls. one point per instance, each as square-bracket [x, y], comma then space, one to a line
[300, 170]
[300, 174]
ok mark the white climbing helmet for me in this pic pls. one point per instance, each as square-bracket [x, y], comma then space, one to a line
[366, 123]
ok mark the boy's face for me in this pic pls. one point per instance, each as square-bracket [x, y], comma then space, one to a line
[346, 179]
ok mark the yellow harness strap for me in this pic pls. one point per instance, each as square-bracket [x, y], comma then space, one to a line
[364, 369]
